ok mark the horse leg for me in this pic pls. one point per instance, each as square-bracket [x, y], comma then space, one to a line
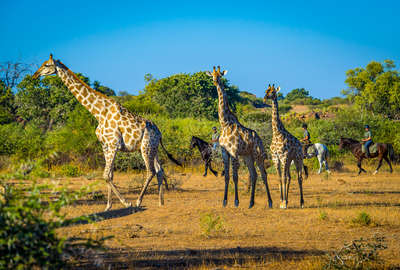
[211, 169]
[379, 165]
[320, 163]
[389, 163]
[205, 168]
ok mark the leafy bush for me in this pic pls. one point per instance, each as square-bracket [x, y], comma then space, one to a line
[129, 161]
[28, 223]
[71, 170]
[362, 219]
[211, 224]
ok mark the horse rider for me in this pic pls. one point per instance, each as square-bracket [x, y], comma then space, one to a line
[215, 139]
[367, 140]
[306, 139]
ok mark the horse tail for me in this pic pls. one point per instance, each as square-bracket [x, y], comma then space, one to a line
[169, 155]
[391, 152]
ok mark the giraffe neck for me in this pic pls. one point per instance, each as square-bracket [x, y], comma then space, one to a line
[95, 102]
[225, 115]
[277, 126]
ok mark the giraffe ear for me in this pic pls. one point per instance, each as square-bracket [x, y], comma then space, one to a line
[209, 73]
[278, 89]
[224, 72]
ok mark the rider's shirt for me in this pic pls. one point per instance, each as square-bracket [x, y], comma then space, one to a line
[367, 135]
[214, 137]
[307, 135]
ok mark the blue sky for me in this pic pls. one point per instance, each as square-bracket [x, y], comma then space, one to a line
[308, 44]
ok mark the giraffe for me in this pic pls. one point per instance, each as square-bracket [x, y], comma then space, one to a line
[237, 140]
[285, 148]
[117, 130]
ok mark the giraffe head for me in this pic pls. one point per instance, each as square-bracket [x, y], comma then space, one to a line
[47, 68]
[216, 74]
[271, 92]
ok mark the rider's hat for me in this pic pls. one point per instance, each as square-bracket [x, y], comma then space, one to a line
[214, 128]
[366, 126]
[304, 125]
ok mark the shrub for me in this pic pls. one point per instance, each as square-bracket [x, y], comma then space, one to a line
[28, 223]
[323, 215]
[70, 170]
[362, 219]
[211, 224]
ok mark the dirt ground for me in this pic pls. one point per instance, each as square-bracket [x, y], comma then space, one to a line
[193, 230]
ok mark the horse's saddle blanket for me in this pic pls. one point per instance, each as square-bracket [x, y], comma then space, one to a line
[373, 148]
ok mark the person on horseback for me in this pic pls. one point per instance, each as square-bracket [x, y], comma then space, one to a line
[215, 139]
[306, 139]
[367, 140]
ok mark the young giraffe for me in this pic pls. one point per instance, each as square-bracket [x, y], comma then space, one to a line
[118, 129]
[284, 148]
[237, 140]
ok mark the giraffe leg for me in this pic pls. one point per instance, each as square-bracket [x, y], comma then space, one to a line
[148, 154]
[160, 177]
[278, 168]
[286, 181]
[111, 150]
[299, 167]
[235, 176]
[226, 158]
[253, 177]
[260, 164]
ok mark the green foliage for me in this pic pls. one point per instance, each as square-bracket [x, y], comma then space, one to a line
[129, 161]
[323, 215]
[28, 223]
[362, 219]
[189, 95]
[358, 254]
[375, 88]
[6, 104]
[211, 224]
[70, 170]
[142, 104]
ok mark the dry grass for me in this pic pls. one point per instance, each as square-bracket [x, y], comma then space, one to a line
[172, 236]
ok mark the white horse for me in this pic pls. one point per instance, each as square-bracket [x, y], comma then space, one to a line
[320, 151]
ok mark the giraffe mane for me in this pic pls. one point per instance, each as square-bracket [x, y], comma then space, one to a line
[82, 82]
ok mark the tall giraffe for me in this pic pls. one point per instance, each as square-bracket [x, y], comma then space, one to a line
[284, 148]
[237, 140]
[117, 130]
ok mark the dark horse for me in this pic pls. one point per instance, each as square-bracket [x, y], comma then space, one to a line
[385, 151]
[205, 151]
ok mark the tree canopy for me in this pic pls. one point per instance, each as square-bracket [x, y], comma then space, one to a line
[375, 88]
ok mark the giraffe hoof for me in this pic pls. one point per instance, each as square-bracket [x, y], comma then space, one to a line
[236, 203]
[108, 207]
[375, 172]
[251, 205]
[138, 203]
[128, 204]
[302, 206]
[224, 203]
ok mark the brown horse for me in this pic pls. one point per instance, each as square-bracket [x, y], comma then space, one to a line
[385, 151]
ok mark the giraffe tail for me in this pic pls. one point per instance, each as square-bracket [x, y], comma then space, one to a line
[169, 155]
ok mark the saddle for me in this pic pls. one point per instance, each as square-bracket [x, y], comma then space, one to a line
[373, 148]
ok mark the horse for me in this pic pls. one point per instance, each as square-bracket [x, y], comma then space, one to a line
[320, 151]
[385, 151]
[205, 151]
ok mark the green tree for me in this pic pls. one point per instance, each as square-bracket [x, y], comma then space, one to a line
[6, 104]
[375, 88]
[297, 93]
[189, 95]
[103, 89]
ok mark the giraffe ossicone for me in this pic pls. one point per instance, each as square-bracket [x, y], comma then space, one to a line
[117, 130]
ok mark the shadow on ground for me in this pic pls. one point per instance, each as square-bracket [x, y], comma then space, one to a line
[105, 215]
[181, 259]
